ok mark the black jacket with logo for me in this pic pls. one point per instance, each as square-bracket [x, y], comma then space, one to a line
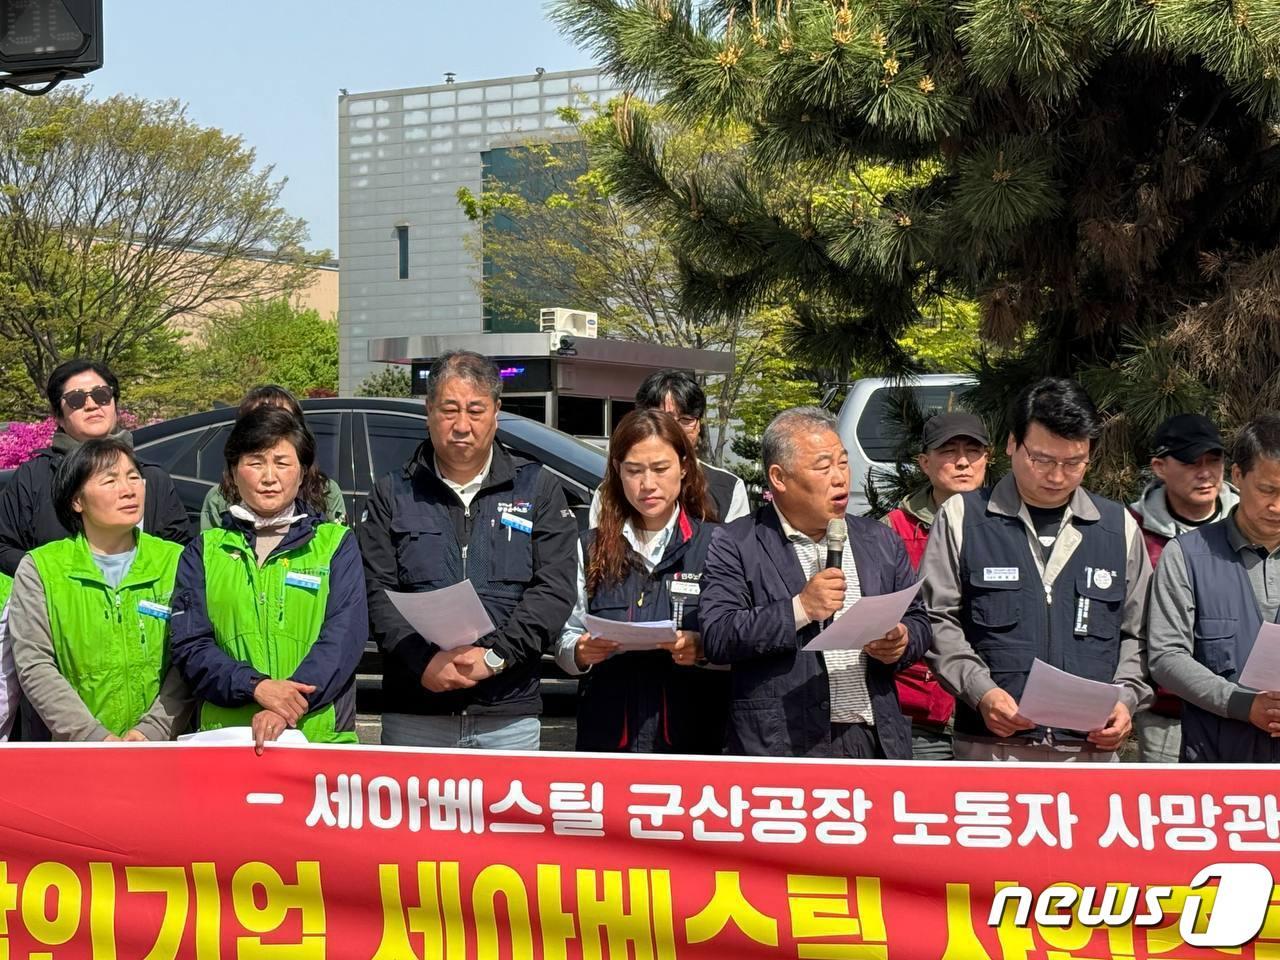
[416, 536]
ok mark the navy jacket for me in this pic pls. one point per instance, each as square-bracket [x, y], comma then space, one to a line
[417, 537]
[642, 701]
[781, 698]
[331, 663]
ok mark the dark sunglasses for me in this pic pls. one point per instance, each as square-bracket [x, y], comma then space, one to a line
[75, 399]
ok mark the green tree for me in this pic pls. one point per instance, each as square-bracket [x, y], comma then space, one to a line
[264, 342]
[391, 381]
[1085, 171]
[560, 236]
[117, 216]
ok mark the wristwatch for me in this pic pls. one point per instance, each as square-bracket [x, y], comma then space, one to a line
[494, 661]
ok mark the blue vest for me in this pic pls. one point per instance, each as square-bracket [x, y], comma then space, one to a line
[436, 546]
[642, 702]
[1011, 620]
[1226, 625]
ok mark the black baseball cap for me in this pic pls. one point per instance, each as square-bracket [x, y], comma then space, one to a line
[947, 426]
[1187, 437]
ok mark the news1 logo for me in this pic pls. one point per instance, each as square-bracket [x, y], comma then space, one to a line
[1242, 894]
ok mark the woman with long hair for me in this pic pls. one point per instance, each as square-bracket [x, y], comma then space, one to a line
[269, 609]
[89, 614]
[643, 563]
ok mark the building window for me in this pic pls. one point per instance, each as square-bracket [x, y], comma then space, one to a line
[402, 240]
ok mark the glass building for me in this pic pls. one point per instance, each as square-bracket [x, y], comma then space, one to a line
[405, 266]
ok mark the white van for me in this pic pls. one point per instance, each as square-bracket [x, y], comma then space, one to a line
[871, 435]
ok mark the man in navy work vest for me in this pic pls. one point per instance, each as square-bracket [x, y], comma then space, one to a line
[1213, 588]
[464, 508]
[1037, 568]
[770, 586]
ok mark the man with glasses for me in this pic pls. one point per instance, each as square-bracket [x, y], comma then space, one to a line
[84, 397]
[678, 393]
[1037, 568]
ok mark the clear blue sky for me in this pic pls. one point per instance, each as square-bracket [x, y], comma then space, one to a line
[270, 70]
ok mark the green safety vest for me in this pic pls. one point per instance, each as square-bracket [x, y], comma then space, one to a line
[269, 616]
[6, 588]
[112, 646]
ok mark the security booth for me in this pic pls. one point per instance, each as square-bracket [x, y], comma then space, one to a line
[579, 384]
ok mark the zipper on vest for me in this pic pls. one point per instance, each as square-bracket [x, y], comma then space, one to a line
[466, 537]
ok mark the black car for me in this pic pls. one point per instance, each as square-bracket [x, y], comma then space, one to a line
[358, 440]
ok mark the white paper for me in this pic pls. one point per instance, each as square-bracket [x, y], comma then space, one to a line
[239, 735]
[868, 619]
[450, 617]
[631, 636]
[1262, 669]
[1054, 698]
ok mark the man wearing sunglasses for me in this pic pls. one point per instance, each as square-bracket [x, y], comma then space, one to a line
[1037, 568]
[83, 395]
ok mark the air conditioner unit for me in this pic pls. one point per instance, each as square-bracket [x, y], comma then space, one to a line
[579, 323]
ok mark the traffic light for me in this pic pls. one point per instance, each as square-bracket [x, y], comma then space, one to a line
[46, 41]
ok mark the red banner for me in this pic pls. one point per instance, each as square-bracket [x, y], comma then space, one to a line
[213, 853]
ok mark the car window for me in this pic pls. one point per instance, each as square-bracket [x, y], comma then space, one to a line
[880, 426]
[177, 455]
[392, 440]
[210, 460]
[326, 428]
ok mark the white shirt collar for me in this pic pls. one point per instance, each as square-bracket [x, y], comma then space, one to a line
[790, 532]
[652, 553]
[472, 486]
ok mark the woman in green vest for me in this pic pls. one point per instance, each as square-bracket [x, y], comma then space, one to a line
[270, 615]
[89, 615]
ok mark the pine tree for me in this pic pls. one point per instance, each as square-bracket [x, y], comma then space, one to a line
[1103, 177]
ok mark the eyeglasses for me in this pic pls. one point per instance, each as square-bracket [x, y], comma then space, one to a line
[75, 399]
[687, 421]
[1043, 464]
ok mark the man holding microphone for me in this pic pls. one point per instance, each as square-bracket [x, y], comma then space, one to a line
[766, 593]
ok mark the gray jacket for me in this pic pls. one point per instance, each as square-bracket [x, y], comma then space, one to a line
[953, 658]
[1171, 626]
[1153, 507]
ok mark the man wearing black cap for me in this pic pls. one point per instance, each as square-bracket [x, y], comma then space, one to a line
[954, 458]
[1187, 459]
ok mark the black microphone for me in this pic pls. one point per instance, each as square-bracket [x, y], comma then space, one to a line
[837, 537]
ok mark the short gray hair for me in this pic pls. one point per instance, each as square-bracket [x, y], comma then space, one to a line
[467, 365]
[778, 444]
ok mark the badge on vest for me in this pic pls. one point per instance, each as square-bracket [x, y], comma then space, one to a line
[1000, 574]
[1102, 579]
[523, 524]
[306, 581]
[686, 584]
[157, 610]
